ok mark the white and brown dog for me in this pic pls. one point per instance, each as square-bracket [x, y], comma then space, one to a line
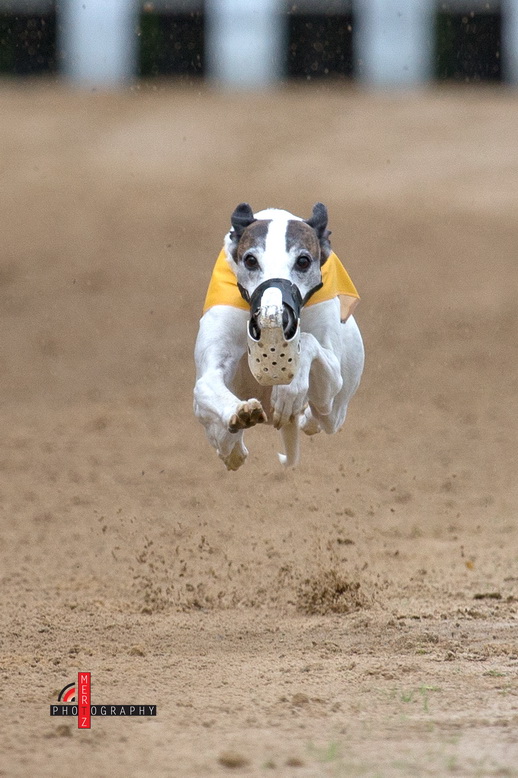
[276, 343]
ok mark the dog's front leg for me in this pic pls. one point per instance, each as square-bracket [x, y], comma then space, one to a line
[220, 347]
[318, 381]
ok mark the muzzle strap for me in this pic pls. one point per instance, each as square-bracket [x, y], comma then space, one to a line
[312, 292]
[274, 350]
[290, 293]
[243, 292]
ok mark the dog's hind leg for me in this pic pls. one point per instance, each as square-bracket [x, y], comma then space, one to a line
[351, 363]
[290, 438]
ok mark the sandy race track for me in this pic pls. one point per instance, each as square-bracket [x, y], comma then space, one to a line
[355, 617]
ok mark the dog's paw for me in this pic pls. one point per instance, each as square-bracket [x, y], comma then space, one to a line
[236, 458]
[287, 404]
[248, 414]
[308, 424]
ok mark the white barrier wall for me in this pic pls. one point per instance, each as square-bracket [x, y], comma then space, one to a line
[510, 40]
[245, 42]
[98, 41]
[393, 41]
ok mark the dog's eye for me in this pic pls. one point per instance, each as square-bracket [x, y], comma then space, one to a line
[250, 262]
[303, 262]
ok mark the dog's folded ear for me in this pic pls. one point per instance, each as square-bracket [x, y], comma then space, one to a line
[318, 221]
[242, 218]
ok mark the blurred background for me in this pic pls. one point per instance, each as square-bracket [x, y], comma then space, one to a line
[259, 42]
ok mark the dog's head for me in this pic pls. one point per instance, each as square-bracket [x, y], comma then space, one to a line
[276, 245]
[277, 260]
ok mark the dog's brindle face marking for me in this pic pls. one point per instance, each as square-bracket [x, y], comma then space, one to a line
[253, 240]
[278, 245]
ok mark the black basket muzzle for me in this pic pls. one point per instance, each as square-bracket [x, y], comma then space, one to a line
[273, 352]
[292, 302]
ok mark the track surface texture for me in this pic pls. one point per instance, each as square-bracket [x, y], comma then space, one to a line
[354, 617]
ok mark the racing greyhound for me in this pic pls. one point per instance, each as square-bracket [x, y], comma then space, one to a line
[277, 343]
